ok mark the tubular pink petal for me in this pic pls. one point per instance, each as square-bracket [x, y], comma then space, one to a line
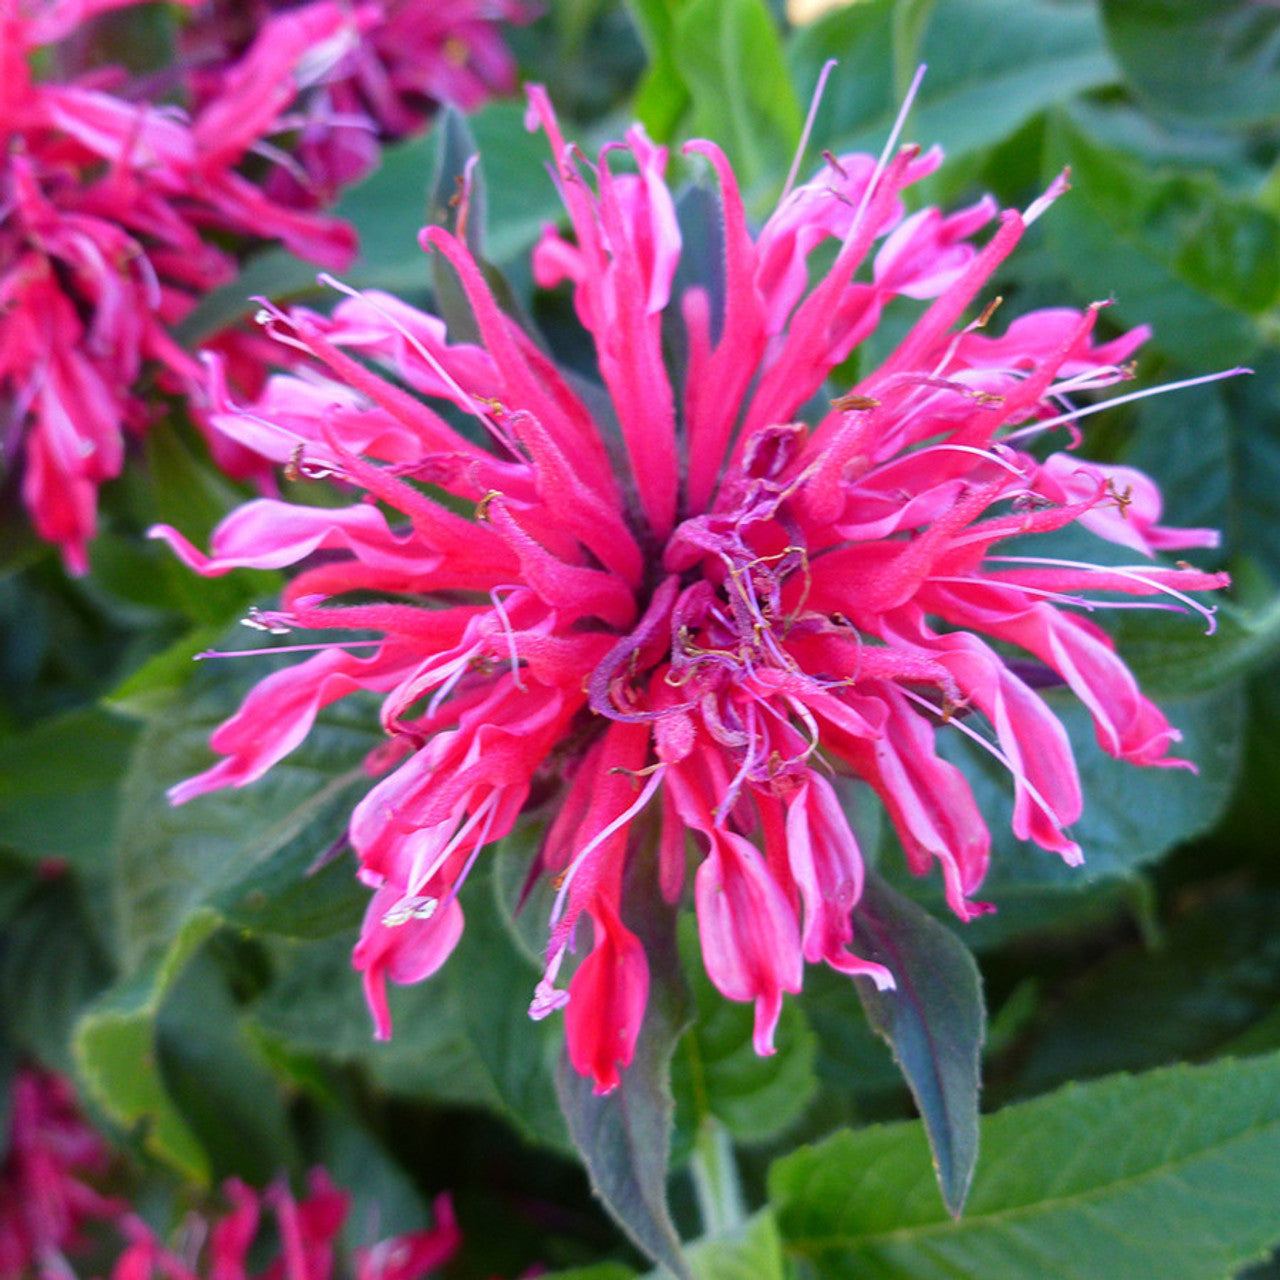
[406, 951]
[750, 942]
[269, 534]
[607, 998]
[278, 714]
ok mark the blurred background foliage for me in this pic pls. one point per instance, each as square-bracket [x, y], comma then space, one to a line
[195, 979]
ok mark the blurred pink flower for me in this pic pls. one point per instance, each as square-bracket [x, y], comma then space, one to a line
[308, 1232]
[397, 61]
[679, 608]
[51, 1160]
[115, 215]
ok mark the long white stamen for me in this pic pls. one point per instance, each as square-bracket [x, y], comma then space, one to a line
[469, 401]
[1088, 409]
[986, 454]
[510, 634]
[819, 88]
[481, 841]
[1057, 597]
[1019, 776]
[287, 648]
[450, 673]
[883, 162]
[1134, 575]
[483, 813]
[655, 779]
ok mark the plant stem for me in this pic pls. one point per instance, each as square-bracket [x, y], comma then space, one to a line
[715, 1180]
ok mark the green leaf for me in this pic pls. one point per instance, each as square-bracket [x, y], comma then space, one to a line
[1132, 818]
[190, 495]
[1175, 251]
[1132, 815]
[716, 1072]
[225, 1093]
[51, 966]
[729, 55]
[389, 208]
[1214, 977]
[152, 688]
[1253, 526]
[115, 1053]
[1180, 661]
[381, 1192]
[1253, 822]
[455, 148]
[910, 21]
[754, 1253]
[992, 66]
[934, 1021]
[861, 89]
[854, 1066]
[663, 96]
[1173, 1174]
[624, 1138]
[243, 854]
[1187, 440]
[462, 1036]
[59, 786]
[598, 1271]
[1206, 61]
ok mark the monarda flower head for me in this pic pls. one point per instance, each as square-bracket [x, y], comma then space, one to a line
[52, 1161]
[685, 603]
[309, 1232]
[115, 217]
[397, 62]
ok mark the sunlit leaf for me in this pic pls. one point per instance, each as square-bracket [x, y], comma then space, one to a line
[1175, 1174]
[991, 67]
[754, 117]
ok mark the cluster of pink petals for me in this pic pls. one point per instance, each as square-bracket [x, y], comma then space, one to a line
[683, 614]
[308, 1231]
[47, 1196]
[115, 216]
[395, 64]
[46, 1180]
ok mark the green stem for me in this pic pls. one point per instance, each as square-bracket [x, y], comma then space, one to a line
[715, 1180]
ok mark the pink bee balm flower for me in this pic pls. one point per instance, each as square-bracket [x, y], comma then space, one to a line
[398, 62]
[109, 210]
[682, 603]
[308, 1231]
[51, 1160]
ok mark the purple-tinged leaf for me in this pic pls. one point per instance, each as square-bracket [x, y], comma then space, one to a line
[934, 1021]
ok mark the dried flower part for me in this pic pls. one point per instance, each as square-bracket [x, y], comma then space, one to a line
[115, 214]
[683, 615]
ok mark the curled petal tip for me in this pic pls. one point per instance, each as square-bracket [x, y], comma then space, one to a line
[546, 1000]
